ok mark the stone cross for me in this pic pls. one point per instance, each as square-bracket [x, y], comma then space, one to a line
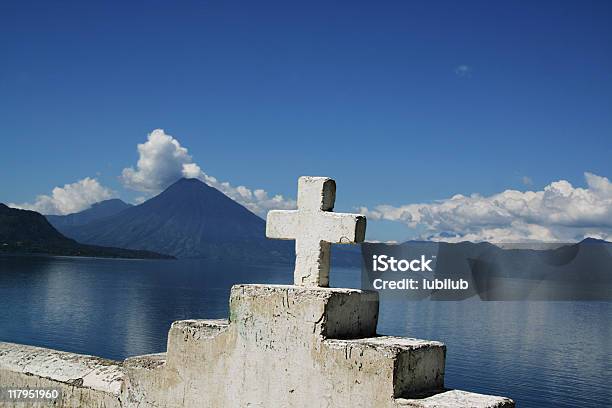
[314, 227]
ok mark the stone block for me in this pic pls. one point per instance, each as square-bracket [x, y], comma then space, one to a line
[305, 311]
[410, 366]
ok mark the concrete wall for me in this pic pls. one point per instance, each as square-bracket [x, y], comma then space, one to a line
[84, 381]
[283, 346]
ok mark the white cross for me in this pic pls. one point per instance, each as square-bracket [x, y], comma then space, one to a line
[314, 227]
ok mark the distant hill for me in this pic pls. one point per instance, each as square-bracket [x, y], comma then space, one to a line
[97, 211]
[188, 220]
[23, 231]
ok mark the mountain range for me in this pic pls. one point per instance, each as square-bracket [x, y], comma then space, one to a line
[188, 220]
[23, 231]
[97, 211]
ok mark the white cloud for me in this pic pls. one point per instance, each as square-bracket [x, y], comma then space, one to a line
[69, 199]
[463, 71]
[559, 212]
[162, 161]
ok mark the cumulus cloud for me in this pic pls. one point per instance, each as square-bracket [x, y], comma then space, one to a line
[162, 161]
[258, 201]
[559, 212]
[69, 199]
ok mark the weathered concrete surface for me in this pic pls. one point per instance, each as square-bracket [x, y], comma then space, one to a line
[456, 398]
[290, 346]
[414, 365]
[84, 381]
[314, 227]
[283, 346]
[143, 372]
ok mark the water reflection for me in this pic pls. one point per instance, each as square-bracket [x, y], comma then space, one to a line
[543, 354]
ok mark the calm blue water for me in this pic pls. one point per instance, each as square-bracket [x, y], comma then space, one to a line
[542, 354]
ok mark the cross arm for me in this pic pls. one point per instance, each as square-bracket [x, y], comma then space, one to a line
[342, 228]
[281, 224]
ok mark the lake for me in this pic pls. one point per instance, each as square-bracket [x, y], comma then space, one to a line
[542, 354]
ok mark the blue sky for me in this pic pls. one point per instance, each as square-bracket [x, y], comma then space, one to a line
[401, 102]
